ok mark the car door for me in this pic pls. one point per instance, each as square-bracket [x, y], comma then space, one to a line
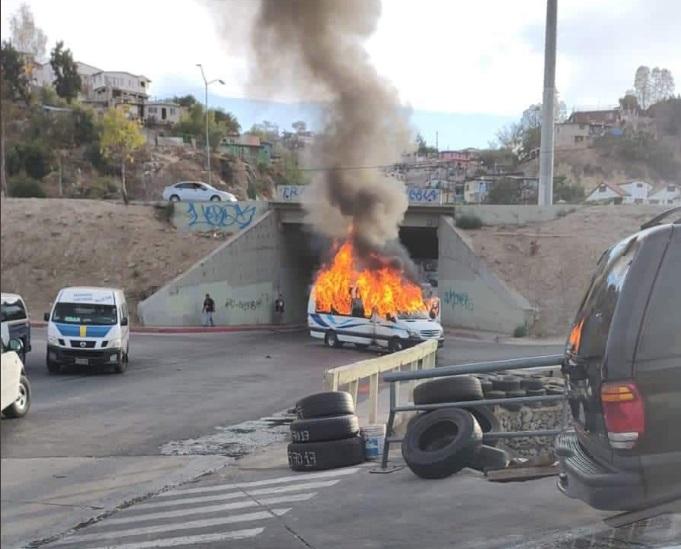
[202, 192]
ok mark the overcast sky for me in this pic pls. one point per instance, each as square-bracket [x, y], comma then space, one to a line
[467, 59]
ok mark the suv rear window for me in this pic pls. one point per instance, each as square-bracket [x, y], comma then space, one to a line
[598, 308]
[12, 311]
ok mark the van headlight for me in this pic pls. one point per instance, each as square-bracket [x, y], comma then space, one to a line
[52, 340]
[115, 344]
[413, 333]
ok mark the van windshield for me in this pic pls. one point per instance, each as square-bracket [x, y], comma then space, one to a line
[84, 313]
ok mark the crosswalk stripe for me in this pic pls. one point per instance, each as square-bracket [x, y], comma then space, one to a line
[279, 480]
[210, 509]
[153, 504]
[163, 528]
[187, 540]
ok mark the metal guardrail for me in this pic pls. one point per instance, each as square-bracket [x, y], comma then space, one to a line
[395, 378]
[418, 358]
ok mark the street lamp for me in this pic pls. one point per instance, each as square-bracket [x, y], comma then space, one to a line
[206, 84]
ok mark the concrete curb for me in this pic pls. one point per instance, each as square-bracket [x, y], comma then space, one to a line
[204, 330]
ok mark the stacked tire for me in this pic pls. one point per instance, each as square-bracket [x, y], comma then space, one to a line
[444, 441]
[325, 434]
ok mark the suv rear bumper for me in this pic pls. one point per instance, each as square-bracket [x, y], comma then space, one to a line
[601, 486]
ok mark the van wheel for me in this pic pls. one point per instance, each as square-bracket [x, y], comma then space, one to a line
[53, 368]
[395, 344]
[331, 340]
[122, 364]
[19, 408]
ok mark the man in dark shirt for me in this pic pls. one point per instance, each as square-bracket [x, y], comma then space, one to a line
[208, 310]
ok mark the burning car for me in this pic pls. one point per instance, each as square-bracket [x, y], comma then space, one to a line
[378, 305]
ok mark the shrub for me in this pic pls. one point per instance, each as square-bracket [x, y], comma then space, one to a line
[23, 186]
[165, 212]
[468, 221]
[520, 331]
[102, 187]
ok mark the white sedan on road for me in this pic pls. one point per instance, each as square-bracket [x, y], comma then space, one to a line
[196, 191]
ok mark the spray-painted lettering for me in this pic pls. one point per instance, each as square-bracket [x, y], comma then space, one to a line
[424, 195]
[290, 193]
[220, 216]
[244, 304]
[459, 300]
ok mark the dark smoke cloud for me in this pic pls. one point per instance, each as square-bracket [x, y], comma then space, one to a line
[319, 45]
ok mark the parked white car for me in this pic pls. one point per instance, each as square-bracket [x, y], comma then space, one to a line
[15, 393]
[196, 191]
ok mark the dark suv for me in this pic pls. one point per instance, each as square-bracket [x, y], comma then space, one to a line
[623, 366]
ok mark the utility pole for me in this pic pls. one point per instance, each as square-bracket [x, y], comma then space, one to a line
[206, 84]
[545, 189]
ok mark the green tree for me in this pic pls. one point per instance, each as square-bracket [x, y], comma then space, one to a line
[423, 149]
[193, 124]
[227, 120]
[119, 139]
[565, 191]
[505, 191]
[67, 81]
[184, 100]
[13, 87]
[26, 37]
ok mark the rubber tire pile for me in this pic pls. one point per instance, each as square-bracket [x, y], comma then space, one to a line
[444, 441]
[326, 433]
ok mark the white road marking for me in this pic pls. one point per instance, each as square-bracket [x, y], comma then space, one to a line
[210, 509]
[187, 540]
[234, 495]
[164, 528]
[279, 480]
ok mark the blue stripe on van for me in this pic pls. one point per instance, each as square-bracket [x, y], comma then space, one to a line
[73, 330]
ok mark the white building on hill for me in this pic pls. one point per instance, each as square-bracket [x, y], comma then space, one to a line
[632, 192]
[669, 193]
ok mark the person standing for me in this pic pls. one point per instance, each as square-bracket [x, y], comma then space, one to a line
[208, 310]
[279, 310]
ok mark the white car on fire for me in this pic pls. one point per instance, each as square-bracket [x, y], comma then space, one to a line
[392, 333]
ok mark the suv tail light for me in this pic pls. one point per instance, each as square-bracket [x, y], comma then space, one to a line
[623, 412]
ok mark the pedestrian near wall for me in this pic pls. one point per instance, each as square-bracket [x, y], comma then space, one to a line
[279, 308]
[208, 310]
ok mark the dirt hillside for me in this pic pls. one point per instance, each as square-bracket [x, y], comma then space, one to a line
[556, 276]
[50, 243]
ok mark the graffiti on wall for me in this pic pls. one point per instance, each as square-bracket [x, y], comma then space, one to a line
[290, 193]
[245, 304]
[230, 216]
[458, 300]
[424, 195]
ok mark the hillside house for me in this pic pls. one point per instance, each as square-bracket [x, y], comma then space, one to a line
[248, 147]
[162, 113]
[632, 192]
[475, 191]
[606, 117]
[668, 193]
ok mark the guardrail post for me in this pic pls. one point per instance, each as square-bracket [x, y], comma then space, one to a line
[413, 366]
[373, 398]
[352, 389]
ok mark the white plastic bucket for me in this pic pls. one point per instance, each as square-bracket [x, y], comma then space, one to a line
[374, 438]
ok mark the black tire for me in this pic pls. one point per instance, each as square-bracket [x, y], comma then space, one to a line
[448, 389]
[174, 198]
[486, 419]
[215, 198]
[53, 368]
[441, 443]
[317, 456]
[324, 428]
[331, 340]
[486, 385]
[554, 390]
[122, 364]
[515, 406]
[362, 346]
[395, 345]
[20, 407]
[531, 383]
[490, 459]
[506, 383]
[534, 393]
[495, 394]
[332, 403]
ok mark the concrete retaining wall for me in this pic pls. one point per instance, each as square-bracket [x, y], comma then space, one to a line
[229, 217]
[471, 295]
[503, 214]
[243, 276]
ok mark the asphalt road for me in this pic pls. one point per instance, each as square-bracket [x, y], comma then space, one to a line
[93, 440]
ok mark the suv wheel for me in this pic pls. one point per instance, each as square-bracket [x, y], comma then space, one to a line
[19, 408]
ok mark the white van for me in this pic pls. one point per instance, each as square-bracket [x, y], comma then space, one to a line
[88, 327]
[395, 334]
[15, 397]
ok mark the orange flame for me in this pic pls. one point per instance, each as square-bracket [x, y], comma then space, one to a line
[385, 290]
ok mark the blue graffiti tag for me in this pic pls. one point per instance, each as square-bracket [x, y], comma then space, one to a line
[455, 299]
[420, 194]
[220, 216]
[290, 193]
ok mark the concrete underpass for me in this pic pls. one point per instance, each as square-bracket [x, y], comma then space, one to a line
[279, 253]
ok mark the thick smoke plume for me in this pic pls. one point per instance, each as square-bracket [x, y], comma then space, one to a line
[319, 45]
